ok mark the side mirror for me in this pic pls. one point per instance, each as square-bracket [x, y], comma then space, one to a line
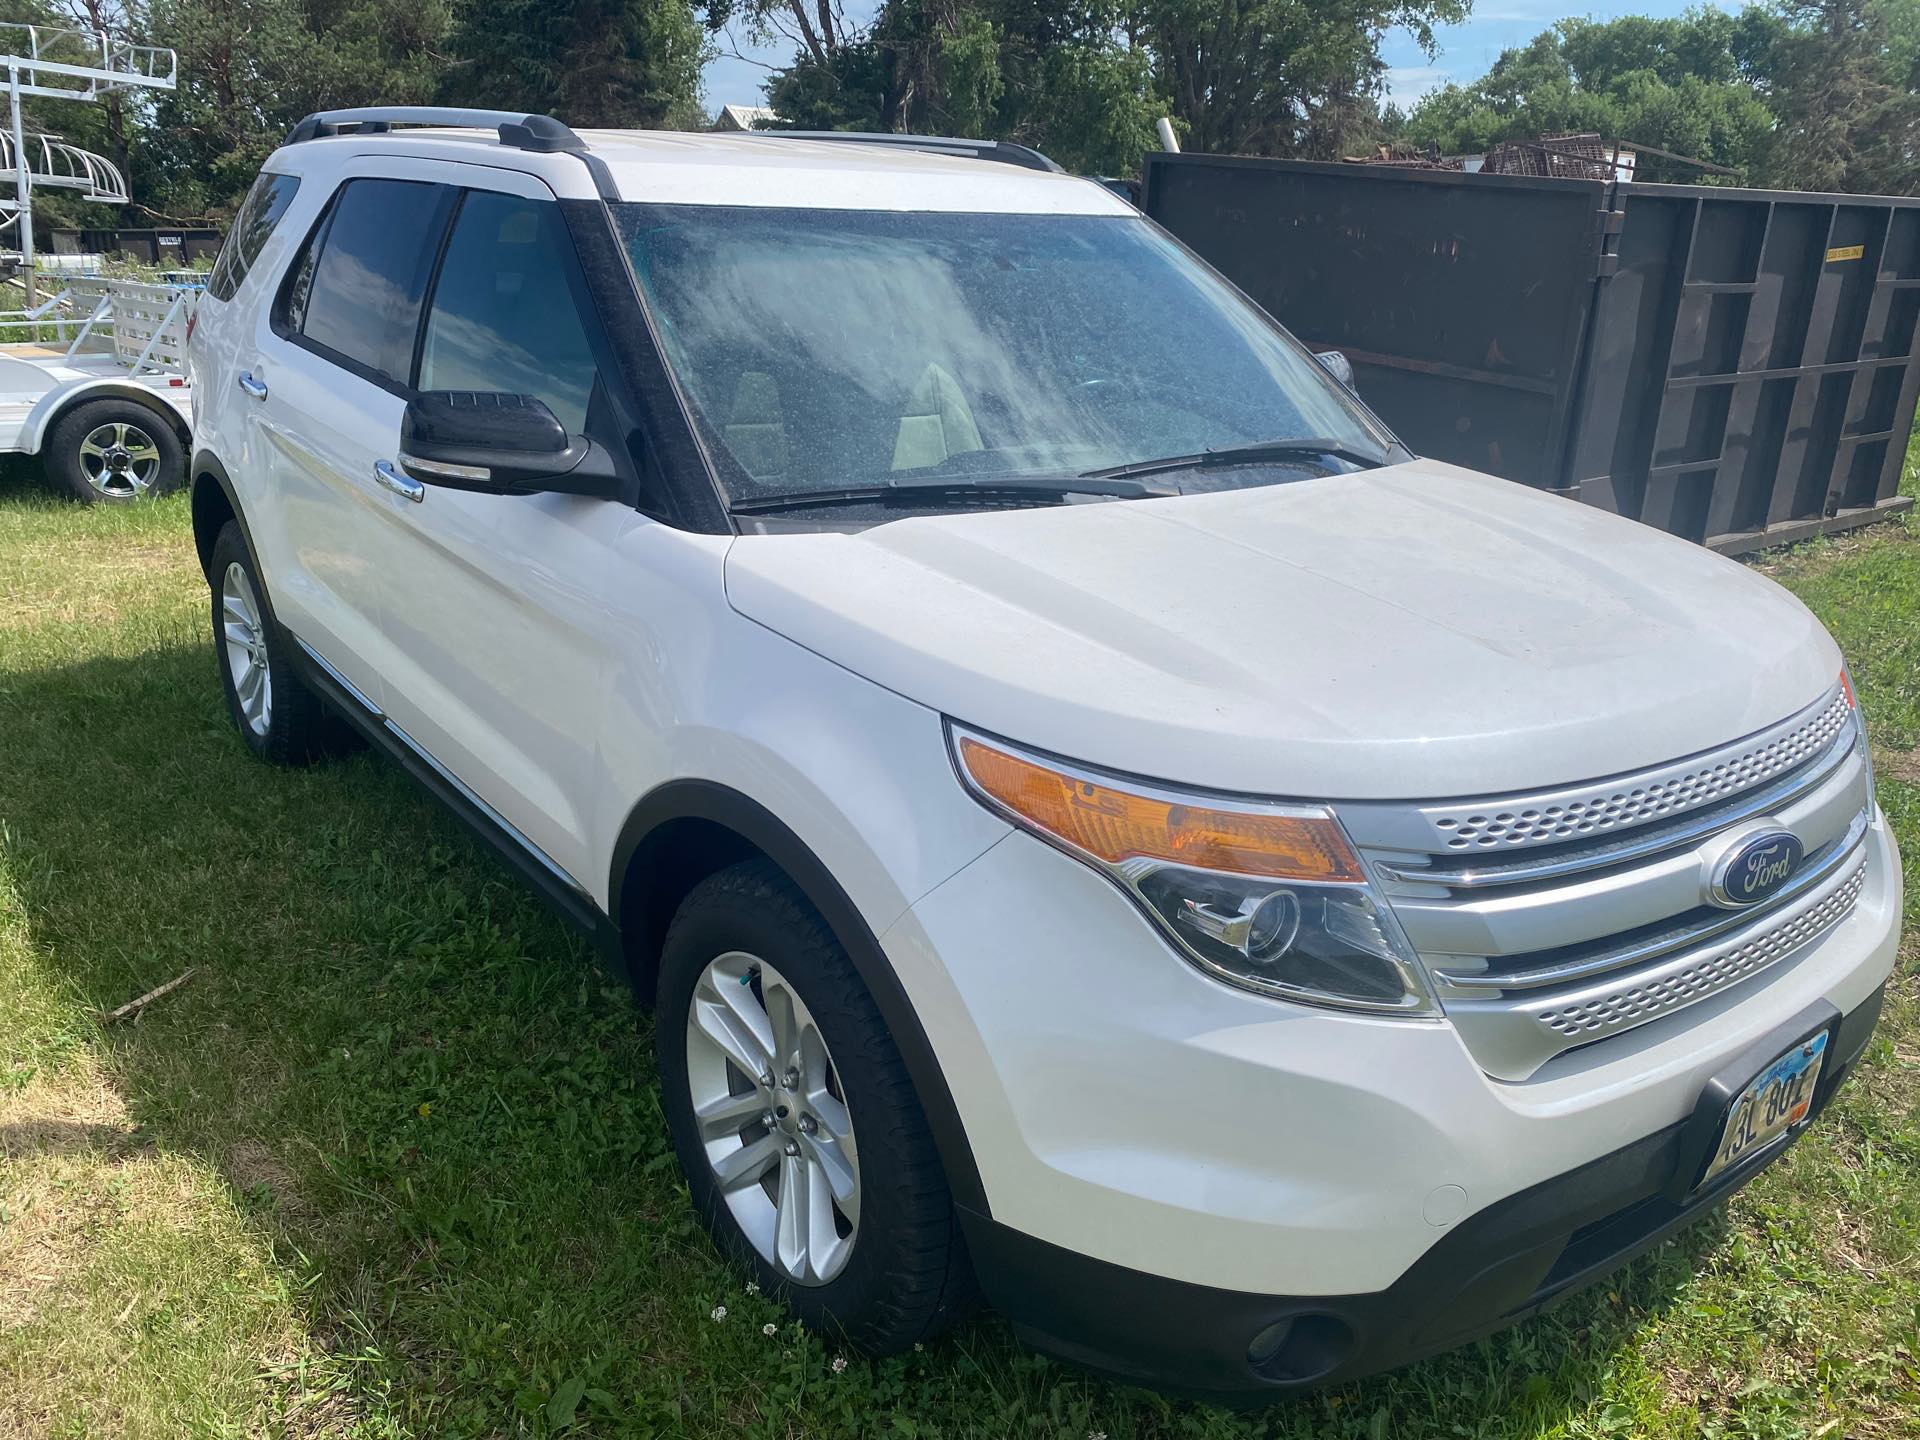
[1338, 366]
[499, 444]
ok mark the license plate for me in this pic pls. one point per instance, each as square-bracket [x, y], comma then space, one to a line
[1774, 1102]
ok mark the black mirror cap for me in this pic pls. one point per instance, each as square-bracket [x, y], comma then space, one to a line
[482, 420]
[497, 443]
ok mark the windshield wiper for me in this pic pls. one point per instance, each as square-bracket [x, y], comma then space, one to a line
[1308, 445]
[923, 491]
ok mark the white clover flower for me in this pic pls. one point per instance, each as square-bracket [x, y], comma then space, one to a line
[753, 1287]
[769, 1329]
[719, 1312]
[839, 1364]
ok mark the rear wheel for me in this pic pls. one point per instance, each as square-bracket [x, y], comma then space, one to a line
[805, 1147]
[115, 451]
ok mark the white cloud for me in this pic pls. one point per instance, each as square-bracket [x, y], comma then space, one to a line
[1407, 83]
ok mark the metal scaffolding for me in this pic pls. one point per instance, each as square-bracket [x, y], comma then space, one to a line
[63, 64]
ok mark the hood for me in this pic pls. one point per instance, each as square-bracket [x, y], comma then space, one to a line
[1419, 631]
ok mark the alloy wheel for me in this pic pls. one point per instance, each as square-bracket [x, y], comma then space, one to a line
[244, 634]
[120, 460]
[773, 1118]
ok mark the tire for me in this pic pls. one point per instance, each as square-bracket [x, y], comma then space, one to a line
[114, 451]
[893, 1273]
[282, 721]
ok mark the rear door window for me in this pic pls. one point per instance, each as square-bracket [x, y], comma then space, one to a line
[506, 311]
[355, 297]
[259, 214]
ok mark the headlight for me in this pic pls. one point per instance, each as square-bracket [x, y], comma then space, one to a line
[1271, 898]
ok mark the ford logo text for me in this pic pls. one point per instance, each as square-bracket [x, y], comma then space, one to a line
[1758, 866]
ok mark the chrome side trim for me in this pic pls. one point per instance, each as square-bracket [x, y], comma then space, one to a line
[1680, 938]
[345, 684]
[453, 781]
[1639, 846]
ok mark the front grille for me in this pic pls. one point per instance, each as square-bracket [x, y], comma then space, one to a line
[1542, 819]
[1654, 995]
[1575, 939]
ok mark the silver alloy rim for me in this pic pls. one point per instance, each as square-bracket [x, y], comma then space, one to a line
[245, 637]
[120, 460]
[773, 1118]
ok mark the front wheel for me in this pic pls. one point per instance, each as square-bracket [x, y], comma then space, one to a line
[115, 451]
[281, 720]
[806, 1150]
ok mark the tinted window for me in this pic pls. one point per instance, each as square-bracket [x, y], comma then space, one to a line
[504, 315]
[362, 298]
[259, 213]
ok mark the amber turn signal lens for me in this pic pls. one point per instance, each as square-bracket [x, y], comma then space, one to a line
[1114, 825]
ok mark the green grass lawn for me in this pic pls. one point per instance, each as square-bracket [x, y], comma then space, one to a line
[392, 1162]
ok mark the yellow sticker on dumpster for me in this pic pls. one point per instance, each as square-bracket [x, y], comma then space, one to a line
[1846, 252]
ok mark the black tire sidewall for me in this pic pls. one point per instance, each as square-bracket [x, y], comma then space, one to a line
[62, 448]
[702, 931]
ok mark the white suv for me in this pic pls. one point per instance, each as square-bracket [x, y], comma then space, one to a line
[1098, 819]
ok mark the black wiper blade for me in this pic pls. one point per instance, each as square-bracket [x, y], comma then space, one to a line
[1308, 445]
[920, 491]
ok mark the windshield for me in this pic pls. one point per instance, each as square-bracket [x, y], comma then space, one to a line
[840, 349]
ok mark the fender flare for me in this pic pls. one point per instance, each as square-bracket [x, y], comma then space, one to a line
[63, 397]
[721, 805]
[203, 471]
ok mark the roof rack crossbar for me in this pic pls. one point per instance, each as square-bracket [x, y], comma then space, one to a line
[1005, 151]
[521, 131]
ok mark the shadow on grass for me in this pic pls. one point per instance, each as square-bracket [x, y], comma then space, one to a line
[445, 1118]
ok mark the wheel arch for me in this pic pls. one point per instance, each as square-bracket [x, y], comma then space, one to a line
[213, 505]
[51, 408]
[686, 830]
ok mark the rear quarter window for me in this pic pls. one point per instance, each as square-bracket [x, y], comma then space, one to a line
[260, 213]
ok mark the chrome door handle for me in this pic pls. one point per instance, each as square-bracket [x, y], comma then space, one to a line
[256, 388]
[405, 486]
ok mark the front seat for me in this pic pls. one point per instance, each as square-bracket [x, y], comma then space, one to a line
[935, 423]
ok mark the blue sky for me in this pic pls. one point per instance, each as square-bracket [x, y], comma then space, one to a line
[1465, 50]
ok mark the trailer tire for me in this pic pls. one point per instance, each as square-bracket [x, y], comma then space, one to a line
[116, 451]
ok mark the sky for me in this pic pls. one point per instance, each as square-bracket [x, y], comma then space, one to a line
[1465, 50]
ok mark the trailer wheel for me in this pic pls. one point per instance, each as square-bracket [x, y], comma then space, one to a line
[114, 450]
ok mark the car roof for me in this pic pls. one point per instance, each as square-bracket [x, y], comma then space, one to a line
[761, 168]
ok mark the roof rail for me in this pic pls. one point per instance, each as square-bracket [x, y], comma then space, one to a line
[521, 131]
[1005, 151]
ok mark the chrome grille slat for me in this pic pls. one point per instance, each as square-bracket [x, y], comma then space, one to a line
[1513, 822]
[1512, 1036]
[1639, 845]
[1533, 977]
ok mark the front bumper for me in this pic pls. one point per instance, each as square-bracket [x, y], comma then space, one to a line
[1498, 1266]
[1173, 1159]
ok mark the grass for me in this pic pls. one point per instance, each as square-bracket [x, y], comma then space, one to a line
[392, 1162]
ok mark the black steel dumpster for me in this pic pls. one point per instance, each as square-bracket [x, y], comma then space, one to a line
[1736, 366]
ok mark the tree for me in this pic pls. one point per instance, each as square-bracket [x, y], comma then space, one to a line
[1849, 114]
[1692, 84]
[1279, 77]
[616, 63]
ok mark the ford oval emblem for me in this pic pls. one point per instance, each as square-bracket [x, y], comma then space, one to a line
[1758, 866]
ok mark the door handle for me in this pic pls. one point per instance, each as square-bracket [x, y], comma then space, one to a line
[256, 388]
[405, 486]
